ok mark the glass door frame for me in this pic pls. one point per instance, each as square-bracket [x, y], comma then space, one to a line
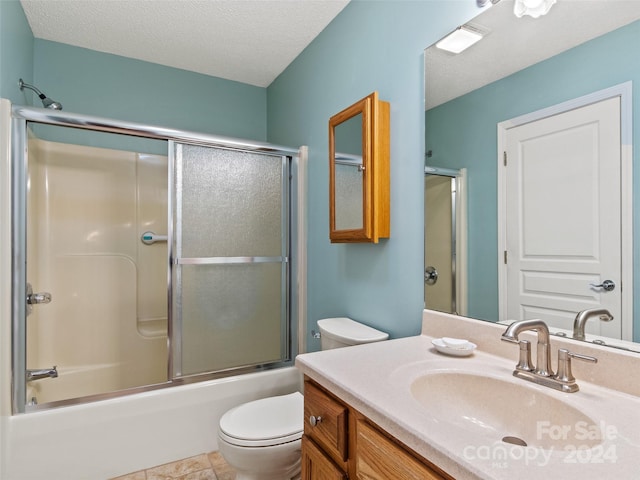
[21, 116]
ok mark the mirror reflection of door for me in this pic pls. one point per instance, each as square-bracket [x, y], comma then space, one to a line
[440, 289]
[563, 217]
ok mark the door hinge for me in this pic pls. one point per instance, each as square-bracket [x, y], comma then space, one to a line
[505, 257]
[504, 158]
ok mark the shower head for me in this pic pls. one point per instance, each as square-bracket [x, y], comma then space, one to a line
[46, 101]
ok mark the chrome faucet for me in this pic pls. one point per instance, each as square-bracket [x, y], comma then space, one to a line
[543, 349]
[541, 373]
[43, 373]
[582, 317]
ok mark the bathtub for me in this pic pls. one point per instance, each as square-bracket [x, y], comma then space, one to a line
[113, 437]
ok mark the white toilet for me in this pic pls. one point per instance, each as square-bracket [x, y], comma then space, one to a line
[261, 439]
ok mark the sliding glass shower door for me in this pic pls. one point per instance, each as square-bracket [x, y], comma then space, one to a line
[229, 259]
[137, 238]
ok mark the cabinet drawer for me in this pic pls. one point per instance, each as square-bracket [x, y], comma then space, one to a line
[379, 458]
[330, 418]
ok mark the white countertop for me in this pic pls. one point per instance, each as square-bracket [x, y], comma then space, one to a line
[375, 379]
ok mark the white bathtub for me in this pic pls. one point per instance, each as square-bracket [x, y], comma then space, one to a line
[109, 438]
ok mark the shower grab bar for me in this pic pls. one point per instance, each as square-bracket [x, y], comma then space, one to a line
[227, 260]
[149, 238]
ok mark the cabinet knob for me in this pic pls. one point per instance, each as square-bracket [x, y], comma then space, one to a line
[313, 420]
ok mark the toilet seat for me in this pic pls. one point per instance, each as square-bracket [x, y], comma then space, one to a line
[265, 422]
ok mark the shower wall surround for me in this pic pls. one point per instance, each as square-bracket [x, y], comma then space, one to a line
[106, 326]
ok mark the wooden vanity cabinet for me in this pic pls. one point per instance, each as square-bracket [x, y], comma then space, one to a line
[341, 443]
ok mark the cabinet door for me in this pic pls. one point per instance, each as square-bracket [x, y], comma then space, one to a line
[316, 465]
[378, 458]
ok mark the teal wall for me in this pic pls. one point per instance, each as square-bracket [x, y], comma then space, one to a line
[94, 83]
[100, 84]
[369, 46]
[601, 63]
[16, 50]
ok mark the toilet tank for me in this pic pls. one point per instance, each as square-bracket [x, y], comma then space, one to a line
[343, 332]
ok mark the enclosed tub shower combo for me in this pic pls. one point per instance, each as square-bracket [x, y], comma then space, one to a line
[144, 258]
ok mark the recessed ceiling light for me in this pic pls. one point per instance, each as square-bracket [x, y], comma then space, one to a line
[460, 39]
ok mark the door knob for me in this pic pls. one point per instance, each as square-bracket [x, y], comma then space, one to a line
[607, 285]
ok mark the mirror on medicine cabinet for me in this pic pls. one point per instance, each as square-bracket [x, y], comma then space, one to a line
[359, 172]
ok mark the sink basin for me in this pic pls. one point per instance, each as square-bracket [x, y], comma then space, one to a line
[487, 409]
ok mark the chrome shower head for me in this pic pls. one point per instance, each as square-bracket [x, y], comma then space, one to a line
[46, 101]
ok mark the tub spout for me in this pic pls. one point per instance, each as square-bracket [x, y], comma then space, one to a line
[43, 373]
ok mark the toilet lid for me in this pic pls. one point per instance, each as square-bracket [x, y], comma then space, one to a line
[268, 421]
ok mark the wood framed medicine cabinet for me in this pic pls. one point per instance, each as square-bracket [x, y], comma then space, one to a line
[359, 172]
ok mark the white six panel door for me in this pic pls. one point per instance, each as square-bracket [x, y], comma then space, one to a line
[563, 214]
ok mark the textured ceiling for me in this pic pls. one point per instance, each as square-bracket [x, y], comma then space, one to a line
[249, 41]
[515, 43]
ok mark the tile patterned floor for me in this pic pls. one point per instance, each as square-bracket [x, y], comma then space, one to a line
[209, 466]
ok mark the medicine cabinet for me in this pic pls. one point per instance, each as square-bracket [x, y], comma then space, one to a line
[359, 172]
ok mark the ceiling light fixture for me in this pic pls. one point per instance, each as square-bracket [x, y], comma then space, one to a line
[533, 8]
[460, 39]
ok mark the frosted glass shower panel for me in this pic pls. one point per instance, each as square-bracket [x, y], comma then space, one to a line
[232, 202]
[230, 270]
[231, 316]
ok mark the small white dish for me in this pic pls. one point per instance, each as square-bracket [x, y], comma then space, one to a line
[456, 352]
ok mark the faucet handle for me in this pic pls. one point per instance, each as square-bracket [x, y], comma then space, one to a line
[524, 363]
[564, 364]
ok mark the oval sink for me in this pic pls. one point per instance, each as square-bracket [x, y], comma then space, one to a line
[488, 409]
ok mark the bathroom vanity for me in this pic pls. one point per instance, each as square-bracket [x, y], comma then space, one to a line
[339, 442]
[399, 409]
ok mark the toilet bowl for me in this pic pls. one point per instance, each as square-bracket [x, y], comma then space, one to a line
[261, 439]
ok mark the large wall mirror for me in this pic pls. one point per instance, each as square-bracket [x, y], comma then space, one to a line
[516, 97]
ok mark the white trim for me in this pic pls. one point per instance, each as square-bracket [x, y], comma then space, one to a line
[622, 90]
[462, 279]
[301, 274]
[625, 92]
[5, 281]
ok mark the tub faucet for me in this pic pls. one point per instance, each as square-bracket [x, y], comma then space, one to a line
[582, 317]
[543, 349]
[43, 373]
